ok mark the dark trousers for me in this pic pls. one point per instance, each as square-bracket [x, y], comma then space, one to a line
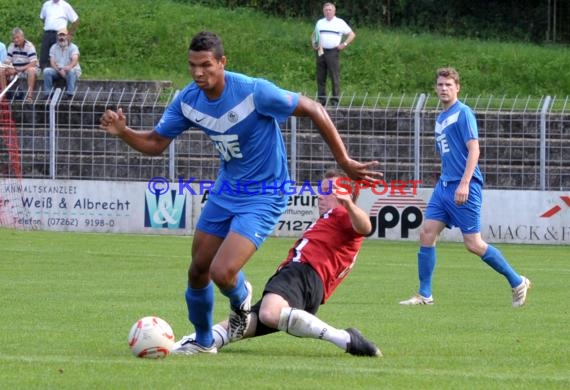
[328, 64]
[49, 38]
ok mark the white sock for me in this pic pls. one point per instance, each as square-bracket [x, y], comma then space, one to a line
[303, 324]
[220, 334]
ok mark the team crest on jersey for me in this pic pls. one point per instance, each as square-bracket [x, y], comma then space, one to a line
[233, 116]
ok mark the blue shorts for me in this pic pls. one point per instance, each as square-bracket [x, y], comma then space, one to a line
[253, 218]
[442, 207]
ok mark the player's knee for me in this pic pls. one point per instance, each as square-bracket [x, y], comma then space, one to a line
[223, 277]
[427, 237]
[198, 274]
[476, 247]
[268, 317]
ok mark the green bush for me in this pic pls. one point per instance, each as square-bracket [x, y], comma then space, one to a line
[147, 39]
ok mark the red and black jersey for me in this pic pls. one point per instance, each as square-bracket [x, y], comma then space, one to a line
[330, 246]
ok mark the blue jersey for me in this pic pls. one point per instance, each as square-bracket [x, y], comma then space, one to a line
[243, 124]
[453, 129]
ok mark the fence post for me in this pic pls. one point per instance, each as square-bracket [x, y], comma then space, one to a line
[294, 148]
[171, 160]
[52, 136]
[545, 106]
[417, 131]
[172, 151]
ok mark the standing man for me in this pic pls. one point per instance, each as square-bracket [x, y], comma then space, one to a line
[56, 14]
[315, 266]
[327, 42]
[240, 114]
[64, 64]
[21, 61]
[457, 197]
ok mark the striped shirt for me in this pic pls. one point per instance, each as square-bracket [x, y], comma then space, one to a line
[22, 56]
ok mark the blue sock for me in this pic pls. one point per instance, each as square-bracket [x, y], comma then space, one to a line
[237, 294]
[200, 304]
[495, 259]
[426, 265]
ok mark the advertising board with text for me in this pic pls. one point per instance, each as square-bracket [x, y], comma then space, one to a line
[535, 217]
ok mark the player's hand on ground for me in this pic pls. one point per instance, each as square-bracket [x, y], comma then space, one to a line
[362, 171]
[114, 122]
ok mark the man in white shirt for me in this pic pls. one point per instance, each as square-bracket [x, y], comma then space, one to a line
[56, 14]
[327, 42]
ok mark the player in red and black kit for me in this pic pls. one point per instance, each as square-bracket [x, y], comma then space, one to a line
[315, 266]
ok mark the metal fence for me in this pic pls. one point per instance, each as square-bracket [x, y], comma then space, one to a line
[525, 141]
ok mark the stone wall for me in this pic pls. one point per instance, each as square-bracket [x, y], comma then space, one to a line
[104, 91]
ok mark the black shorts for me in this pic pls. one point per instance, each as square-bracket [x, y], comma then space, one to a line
[297, 283]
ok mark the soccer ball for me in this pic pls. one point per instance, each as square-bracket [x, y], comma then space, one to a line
[151, 337]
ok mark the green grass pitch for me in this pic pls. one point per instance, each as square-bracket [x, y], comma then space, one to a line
[68, 301]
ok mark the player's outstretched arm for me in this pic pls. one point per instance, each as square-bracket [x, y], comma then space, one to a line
[360, 220]
[354, 169]
[148, 142]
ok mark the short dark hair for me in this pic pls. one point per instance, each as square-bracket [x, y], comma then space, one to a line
[333, 172]
[448, 73]
[207, 41]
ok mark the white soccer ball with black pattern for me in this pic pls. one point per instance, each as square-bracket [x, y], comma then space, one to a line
[151, 337]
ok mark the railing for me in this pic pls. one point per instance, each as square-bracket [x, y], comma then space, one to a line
[525, 141]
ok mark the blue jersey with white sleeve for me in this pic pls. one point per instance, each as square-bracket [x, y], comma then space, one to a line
[453, 129]
[243, 124]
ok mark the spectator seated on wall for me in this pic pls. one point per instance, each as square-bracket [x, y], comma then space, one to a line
[21, 61]
[64, 65]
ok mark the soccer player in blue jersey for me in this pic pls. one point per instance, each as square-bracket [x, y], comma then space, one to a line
[240, 114]
[457, 197]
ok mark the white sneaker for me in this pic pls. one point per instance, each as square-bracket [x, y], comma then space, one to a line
[188, 346]
[239, 318]
[519, 292]
[418, 300]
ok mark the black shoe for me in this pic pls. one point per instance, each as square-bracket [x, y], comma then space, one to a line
[359, 346]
